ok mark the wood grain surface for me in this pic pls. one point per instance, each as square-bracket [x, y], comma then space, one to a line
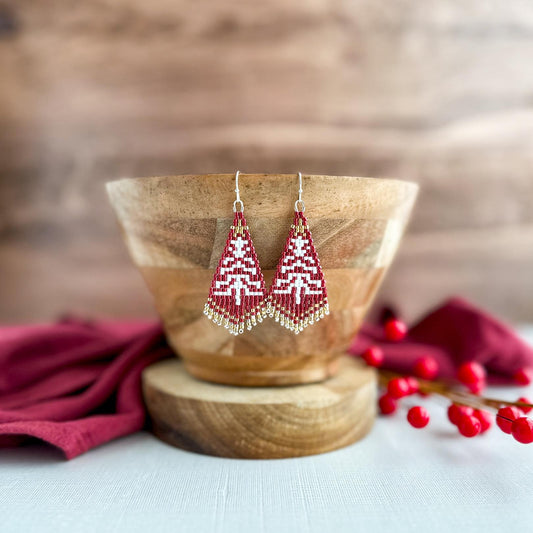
[175, 228]
[260, 423]
[437, 92]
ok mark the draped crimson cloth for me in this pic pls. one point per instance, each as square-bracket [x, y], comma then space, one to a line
[77, 384]
[453, 333]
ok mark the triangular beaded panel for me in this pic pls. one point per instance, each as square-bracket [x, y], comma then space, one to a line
[298, 297]
[237, 294]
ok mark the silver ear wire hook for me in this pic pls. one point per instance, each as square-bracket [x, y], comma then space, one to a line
[237, 194]
[300, 191]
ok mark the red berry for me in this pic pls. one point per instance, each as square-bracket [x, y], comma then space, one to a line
[455, 412]
[524, 409]
[484, 418]
[387, 404]
[522, 430]
[469, 426]
[471, 373]
[398, 388]
[506, 416]
[523, 376]
[413, 384]
[373, 356]
[426, 368]
[395, 330]
[476, 388]
[418, 417]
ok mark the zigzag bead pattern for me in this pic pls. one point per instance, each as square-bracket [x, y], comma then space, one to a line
[237, 294]
[298, 296]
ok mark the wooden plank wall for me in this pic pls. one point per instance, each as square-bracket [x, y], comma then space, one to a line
[440, 92]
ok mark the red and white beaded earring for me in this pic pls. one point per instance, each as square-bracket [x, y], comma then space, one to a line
[298, 297]
[237, 294]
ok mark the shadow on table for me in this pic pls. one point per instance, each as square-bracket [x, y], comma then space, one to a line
[33, 451]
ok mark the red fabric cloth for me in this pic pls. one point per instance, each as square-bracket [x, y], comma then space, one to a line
[77, 384]
[453, 333]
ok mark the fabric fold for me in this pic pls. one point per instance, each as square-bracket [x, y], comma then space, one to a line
[75, 385]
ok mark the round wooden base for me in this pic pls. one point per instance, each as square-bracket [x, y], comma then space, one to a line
[260, 422]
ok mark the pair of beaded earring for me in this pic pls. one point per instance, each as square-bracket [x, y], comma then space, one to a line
[297, 296]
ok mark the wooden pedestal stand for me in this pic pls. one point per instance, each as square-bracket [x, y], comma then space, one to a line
[260, 422]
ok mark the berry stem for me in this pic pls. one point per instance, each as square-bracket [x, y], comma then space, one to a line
[447, 390]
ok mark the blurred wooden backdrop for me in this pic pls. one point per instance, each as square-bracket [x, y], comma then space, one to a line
[440, 92]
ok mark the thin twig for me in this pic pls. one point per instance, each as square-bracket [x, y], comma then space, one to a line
[448, 390]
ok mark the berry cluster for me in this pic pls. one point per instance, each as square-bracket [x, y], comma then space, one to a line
[468, 410]
[469, 421]
[511, 420]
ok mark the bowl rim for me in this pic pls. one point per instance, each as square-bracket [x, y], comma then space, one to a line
[380, 179]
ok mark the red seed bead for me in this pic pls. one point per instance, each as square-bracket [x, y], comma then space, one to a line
[522, 430]
[469, 426]
[426, 368]
[455, 412]
[395, 330]
[471, 373]
[523, 376]
[418, 417]
[387, 404]
[485, 418]
[506, 416]
[524, 409]
[398, 388]
[373, 356]
[414, 386]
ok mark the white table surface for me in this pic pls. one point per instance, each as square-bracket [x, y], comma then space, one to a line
[398, 478]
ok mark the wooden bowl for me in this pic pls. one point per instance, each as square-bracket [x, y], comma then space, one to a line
[175, 228]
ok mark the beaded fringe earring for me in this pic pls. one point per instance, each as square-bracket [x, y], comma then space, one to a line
[237, 294]
[298, 297]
